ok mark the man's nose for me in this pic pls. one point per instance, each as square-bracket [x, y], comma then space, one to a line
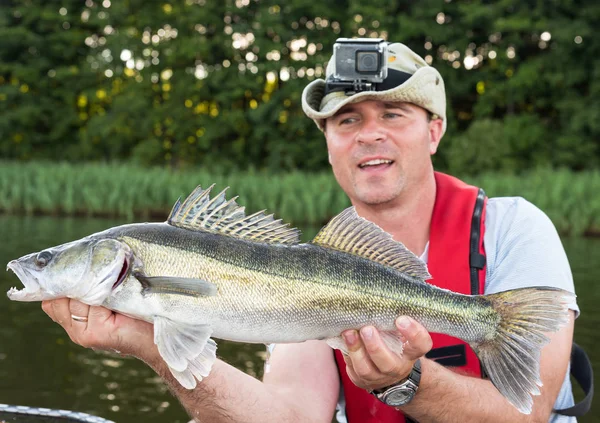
[370, 131]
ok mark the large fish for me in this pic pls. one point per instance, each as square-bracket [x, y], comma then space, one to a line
[210, 270]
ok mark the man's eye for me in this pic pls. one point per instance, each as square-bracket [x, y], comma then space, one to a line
[392, 115]
[347, 120]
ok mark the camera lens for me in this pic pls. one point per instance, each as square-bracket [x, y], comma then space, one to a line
[367, 61]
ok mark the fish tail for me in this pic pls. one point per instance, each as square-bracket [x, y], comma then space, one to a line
[511, 355]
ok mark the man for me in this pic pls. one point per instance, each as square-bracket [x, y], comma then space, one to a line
[380, 145]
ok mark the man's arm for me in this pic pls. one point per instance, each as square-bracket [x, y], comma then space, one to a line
[302, 386]
[303, 383]
[447, 396]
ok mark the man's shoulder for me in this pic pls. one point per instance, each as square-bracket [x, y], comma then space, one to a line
[523, 248]
[513, 204]
[515, 213]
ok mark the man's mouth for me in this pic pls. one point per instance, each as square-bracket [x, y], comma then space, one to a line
[375, 163]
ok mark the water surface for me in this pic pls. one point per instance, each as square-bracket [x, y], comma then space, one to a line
[41, 367]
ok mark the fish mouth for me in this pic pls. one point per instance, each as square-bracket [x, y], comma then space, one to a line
[32, 290]
[124, 271]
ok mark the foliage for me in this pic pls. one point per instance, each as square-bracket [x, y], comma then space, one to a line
[568, 198]
[515, 143]
[218, 83]
[301, 198]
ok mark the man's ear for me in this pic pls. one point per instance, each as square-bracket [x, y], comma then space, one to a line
[435, 134]
[327, 143]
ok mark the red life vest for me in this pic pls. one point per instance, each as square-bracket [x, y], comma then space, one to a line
[449, 264]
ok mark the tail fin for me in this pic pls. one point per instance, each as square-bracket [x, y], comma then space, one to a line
[512, 357]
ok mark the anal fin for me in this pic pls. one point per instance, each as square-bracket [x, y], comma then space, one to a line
[337, 343]
[394, 342]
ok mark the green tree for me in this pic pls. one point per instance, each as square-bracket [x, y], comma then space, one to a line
[218, 84]
[42, 71]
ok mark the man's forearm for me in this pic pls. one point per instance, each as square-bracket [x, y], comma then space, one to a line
[229, 395]
[446, 396]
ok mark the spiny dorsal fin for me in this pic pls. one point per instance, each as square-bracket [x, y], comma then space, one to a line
[352, 234]
[226, 217]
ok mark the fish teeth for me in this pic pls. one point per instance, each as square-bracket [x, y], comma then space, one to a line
[24, 276]
[376, 162]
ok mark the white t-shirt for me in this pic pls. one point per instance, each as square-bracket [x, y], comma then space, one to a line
[522, 249]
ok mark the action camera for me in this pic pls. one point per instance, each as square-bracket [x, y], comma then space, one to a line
[359, 63]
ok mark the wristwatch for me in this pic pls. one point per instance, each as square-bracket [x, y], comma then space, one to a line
[402, 392]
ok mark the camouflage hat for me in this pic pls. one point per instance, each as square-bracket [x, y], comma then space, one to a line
[415, 82]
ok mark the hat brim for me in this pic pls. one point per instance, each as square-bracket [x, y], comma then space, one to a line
[425, 88]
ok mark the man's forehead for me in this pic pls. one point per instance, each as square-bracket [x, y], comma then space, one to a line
[377, 104]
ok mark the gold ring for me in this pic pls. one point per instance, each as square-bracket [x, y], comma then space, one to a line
[79, 318]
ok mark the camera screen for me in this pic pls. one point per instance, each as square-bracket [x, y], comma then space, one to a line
[367, 62]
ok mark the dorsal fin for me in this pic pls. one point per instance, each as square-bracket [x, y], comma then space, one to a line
[226, 217]
[352, 234]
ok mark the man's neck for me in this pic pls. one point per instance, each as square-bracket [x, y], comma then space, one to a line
[408, 219]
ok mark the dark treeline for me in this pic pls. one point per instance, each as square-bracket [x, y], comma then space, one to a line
[217, 84]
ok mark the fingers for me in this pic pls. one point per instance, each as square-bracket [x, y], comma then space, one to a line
[100, 328]
[364, 369]
[371, 364]
[47, 307]
[418, 341]
[79, 314]
[358, 357]
[72, 315]
[98, 316]
[382, 358]
[58, 310]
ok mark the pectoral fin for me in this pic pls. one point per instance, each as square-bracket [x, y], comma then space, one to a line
[175, 285]
[187, 349]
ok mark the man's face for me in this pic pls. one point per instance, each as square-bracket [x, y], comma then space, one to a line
[380, 150]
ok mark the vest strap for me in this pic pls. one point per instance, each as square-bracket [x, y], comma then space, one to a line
[476, 259]
[581, 370]
[450, 356]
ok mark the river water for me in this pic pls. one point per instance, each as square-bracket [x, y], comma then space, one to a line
[41, 367]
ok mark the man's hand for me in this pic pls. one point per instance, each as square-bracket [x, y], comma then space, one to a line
[104, 329]
[370, 364]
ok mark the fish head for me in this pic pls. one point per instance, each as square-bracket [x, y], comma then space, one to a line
[87, 270]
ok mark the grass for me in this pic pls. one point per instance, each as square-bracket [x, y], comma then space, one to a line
[134, 192]
[570, 199]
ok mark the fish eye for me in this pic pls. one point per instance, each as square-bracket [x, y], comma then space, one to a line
[43, 258]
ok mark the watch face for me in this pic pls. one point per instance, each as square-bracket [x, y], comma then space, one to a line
[399, 396]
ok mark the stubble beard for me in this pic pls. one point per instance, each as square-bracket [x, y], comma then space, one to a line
[378, 193]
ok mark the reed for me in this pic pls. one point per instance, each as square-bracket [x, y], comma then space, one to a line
[569, 198]
[123, 190]
[129, 191]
